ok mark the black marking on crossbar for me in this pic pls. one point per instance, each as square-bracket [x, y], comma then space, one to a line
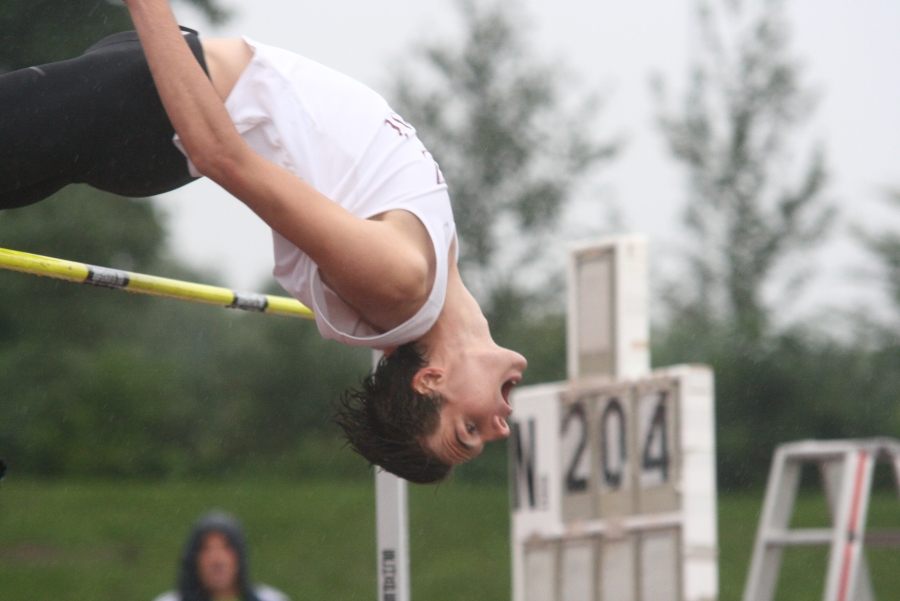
[107, 278]
[249, 301]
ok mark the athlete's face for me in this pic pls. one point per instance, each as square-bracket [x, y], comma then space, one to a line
[476, 393]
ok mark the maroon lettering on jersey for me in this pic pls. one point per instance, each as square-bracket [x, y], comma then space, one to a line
[403, 128]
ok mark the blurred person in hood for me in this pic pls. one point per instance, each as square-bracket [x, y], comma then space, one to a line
[214, 565]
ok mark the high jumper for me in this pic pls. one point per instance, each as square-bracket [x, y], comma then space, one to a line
[361, 219]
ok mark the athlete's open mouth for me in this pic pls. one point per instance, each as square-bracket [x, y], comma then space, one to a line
[507, 387]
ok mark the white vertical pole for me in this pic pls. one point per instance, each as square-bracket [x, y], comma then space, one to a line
[393, 537]
[392, 531]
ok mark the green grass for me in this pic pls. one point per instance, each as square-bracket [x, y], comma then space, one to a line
[315, 540]
[115, 541]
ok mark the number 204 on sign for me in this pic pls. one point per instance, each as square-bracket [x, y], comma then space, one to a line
[618, 449]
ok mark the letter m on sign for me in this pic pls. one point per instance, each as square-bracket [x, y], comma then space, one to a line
[522, 445]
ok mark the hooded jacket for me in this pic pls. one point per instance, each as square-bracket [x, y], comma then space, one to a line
[189, 585]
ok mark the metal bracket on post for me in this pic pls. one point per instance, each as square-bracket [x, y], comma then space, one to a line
[392, 531]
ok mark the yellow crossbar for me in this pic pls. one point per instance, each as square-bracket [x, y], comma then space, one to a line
[148, 284]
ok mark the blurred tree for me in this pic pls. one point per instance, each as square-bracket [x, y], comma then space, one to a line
[745, 216]
[94, 382]
[34, 32]
[886, 247]
[885, 359]
[292, 375]
[745, 103]
[81, 224]
[510, 146]
[82, 385]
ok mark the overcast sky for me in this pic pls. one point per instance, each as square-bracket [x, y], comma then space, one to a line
[850, 49]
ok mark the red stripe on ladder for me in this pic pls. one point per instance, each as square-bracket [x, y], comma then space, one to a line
[852, 533]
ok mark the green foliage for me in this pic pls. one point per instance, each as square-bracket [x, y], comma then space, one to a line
[796, 386]
[290, 376]
[106, 383]
[541, 340]
[81, 224]
[35, 32]
[512, 150]
[885, 246]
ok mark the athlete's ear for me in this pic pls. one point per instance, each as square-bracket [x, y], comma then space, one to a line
[428, 379]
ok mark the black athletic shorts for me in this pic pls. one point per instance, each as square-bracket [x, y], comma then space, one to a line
[96, 119]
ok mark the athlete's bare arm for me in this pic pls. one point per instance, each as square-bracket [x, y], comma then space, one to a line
[382, 267]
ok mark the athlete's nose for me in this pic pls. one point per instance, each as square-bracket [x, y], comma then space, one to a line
[520, 361]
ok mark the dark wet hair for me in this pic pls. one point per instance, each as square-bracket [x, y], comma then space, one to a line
[386, 420]
[189, 586]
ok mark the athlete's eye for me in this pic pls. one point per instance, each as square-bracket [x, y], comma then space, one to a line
[470, 428]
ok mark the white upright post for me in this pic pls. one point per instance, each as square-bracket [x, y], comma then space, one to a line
[608, 320]
[393, 537]
[392, 531]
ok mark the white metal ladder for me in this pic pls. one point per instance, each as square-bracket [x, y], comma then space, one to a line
[847, 467]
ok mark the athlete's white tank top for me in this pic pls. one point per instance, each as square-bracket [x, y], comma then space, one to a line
[343, 139]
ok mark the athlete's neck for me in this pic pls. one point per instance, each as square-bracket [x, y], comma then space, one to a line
[461, 326]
